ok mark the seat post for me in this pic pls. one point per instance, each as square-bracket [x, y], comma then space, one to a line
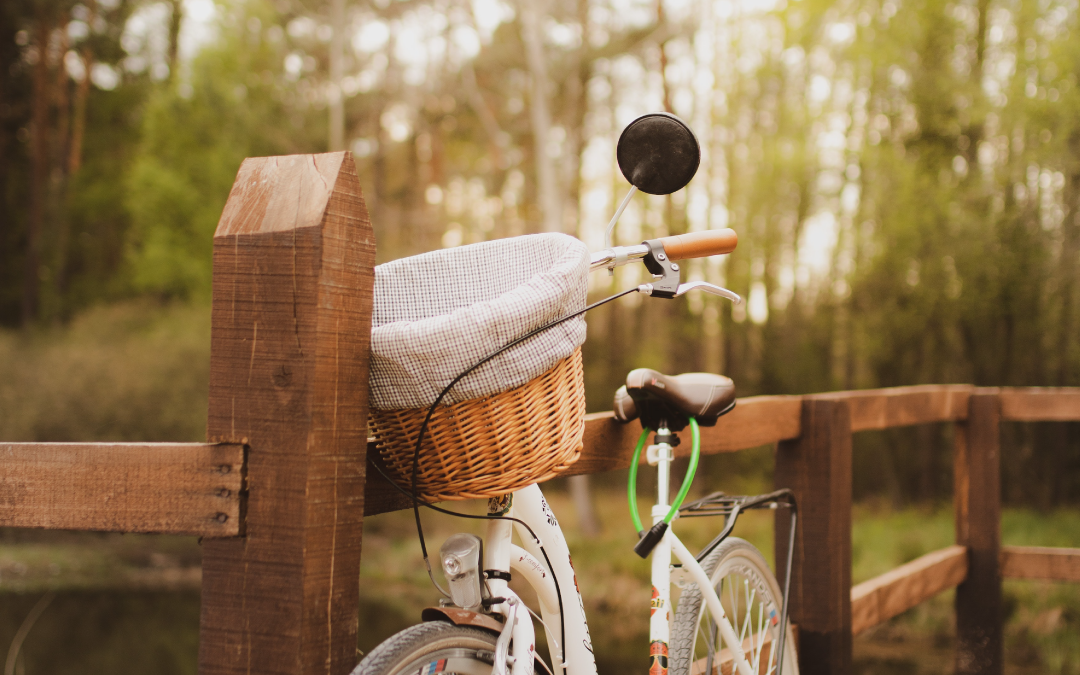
[660, 455]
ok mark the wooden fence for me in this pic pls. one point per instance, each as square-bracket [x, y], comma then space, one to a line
[280, 490]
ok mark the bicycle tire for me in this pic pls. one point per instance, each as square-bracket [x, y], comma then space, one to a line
[466, 651]
[739, 564]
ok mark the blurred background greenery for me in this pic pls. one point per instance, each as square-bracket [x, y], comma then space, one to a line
[904, 176]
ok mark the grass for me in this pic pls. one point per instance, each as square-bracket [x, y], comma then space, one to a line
[136, 371]
[34, 561]
[1042, 619]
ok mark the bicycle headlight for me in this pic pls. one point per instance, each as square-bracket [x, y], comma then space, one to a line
[460, 557]
[452, 565]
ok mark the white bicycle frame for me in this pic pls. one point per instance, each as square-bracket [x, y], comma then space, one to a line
[561, 606]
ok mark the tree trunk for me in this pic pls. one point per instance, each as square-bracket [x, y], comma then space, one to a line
[78, 123]
[57, 218]
[975, 130]
[39, 168]
[1067, 281]
[547, 190]
[337, 58]
[498, 140]
[583, 504]
[578, 84]
[175, 20]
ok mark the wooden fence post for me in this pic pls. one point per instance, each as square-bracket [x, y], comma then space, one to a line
[977, 500]
[293, 276]
[817, 466]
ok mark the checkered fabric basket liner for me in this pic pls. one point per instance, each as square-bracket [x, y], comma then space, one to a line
[437, 314]
[518, 419]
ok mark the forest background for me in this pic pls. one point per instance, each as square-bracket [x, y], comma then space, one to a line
[904, 176]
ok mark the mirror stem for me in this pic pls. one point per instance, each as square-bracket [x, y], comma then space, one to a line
[615, 218]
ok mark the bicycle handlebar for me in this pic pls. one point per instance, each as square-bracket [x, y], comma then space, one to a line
[700, 244]
[677, 247]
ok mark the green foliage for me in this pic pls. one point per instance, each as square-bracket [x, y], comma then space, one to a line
[904, 178]
[134, 372]
[80, 221]
[194, 137]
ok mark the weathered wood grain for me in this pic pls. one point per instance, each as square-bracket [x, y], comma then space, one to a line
[903, 406]
[755, 421]
[977, 506]
[609, 445]
[175, 488]
[291, 322]
[762, 420]
[817, 467]
[1040, 562]
[379, 495]
[898, 590]
[1040, 404]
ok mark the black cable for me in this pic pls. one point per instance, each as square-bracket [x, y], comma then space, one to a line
[427, 419]
[787, 586]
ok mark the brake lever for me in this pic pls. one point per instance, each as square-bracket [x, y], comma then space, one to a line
[648, 289]
[709, 288]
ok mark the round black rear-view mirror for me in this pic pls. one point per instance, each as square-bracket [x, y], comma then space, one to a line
[658, 153]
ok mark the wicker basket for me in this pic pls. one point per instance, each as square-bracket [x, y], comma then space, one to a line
[492, 445]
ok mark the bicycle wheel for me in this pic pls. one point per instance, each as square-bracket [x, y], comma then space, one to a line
[432, 647]
[752, 601]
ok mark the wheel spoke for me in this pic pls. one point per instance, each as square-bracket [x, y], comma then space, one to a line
[733, 608]
[705, 628]
[746, 617]
[734, 602]
[771, 665]
[773, 657]
[707, 632]
[751, 591]
[758, 643]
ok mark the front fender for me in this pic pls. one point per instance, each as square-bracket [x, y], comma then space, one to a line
[463, 617]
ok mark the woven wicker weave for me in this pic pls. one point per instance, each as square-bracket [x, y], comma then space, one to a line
[492, 445]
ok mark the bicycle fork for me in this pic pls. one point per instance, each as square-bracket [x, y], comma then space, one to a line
[546, 566]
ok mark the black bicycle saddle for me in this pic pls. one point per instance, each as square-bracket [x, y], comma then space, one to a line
[672, 399]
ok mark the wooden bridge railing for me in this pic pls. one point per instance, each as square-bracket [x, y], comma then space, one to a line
[280, 490]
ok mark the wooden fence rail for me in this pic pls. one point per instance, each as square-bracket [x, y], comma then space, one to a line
[174, 488]
[281, 488]
[898, 590]
[1039, 562]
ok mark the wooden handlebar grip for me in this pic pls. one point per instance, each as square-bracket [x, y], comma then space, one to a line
[700, 244]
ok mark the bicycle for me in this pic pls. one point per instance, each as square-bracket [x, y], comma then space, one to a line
[732, 616]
